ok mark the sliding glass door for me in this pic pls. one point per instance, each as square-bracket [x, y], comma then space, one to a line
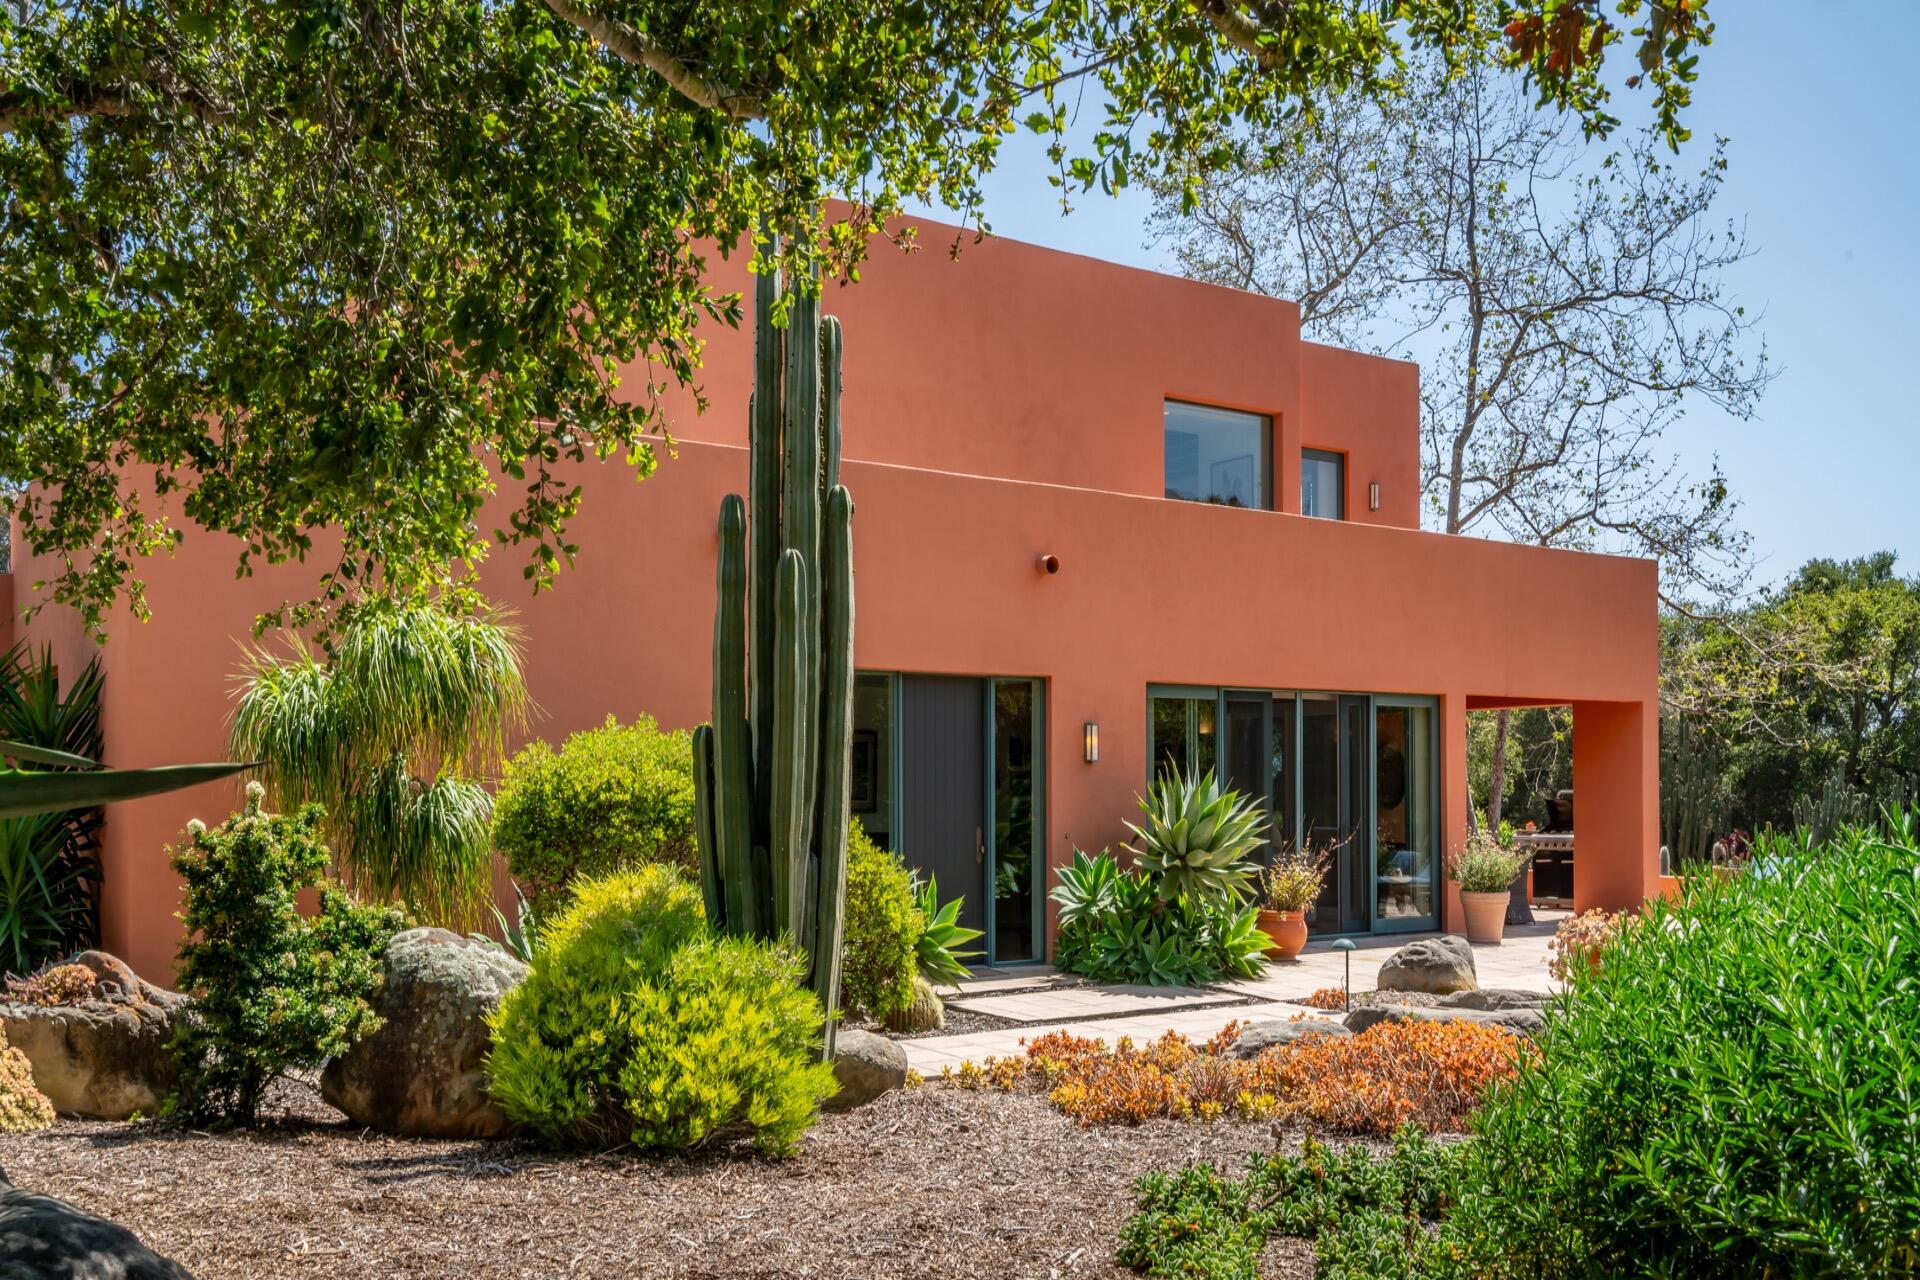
[1406, 822]
[1351, 777]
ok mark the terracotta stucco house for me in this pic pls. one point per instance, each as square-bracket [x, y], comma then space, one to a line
[1103, 517]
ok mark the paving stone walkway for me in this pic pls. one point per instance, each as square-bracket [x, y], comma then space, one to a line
[1045, 1004]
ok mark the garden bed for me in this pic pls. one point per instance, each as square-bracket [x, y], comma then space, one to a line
[936, 1182]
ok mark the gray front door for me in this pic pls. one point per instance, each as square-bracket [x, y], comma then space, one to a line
[943, 786]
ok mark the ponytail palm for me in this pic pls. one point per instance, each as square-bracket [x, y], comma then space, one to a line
[392, 735]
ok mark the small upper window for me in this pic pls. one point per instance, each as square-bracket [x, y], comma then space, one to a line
[1323, 484]
[1217, 455]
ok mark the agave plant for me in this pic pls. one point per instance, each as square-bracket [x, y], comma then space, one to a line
[937, 952]
[1196, 837]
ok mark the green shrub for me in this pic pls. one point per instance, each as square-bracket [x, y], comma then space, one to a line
[884, 928]
[1196, 1223]
[1365, 1213]
[1733, 1091]
[272, 990]
[634, 1024]
[610, 799]
[1115, 927]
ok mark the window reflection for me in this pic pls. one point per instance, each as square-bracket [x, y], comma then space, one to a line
[1217, 455]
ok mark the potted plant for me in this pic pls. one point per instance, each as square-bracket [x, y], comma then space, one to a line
[1485, 872]
[1287, 889]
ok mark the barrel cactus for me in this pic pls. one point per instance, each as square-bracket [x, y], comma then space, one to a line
[927, 1012]
[771, 772]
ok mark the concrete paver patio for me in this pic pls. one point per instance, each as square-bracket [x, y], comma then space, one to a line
[1088, 1001]
[1090, 1009]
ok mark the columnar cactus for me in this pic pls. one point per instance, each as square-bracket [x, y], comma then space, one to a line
[771, 772]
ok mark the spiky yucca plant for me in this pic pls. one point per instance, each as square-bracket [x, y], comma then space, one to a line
[1195, 838]
[393, 733]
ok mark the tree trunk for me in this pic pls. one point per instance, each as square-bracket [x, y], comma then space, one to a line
[1497, 780]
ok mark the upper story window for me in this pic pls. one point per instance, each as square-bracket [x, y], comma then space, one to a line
[1323, 484]
[1218, 455]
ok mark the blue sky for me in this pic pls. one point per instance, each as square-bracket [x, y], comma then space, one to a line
[1825, 170]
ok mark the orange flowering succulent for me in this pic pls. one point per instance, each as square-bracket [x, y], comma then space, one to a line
[1431, 1073]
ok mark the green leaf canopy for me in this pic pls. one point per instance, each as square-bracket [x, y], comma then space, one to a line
[303, 266]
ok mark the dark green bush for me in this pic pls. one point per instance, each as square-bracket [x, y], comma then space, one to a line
[1195, 1223]
[634, 1024]
[272, 990]
[883, 930]
[1367, 1214]
[610, 799]
[1733, 1091]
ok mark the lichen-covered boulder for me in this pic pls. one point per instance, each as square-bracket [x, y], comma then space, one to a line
[1495, 999]
[107, 1057]
[1438, 966]
[1257, 1037]
[42, 1238]
[423, 1073]
[866, 1065]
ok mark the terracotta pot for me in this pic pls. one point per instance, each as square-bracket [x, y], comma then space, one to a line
[1287, 929]
[1486, 915]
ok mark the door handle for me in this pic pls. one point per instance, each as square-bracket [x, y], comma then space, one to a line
[979, 846]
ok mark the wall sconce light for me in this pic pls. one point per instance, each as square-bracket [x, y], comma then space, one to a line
[1091, 743]
[1373, 496]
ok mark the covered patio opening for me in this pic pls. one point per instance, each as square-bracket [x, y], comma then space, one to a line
[1601, 849]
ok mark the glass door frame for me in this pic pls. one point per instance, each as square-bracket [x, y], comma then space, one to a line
[1405, 924]
[990, 825]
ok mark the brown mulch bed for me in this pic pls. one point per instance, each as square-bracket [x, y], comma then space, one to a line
[936, 1182]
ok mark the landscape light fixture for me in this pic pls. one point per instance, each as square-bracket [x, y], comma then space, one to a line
[1346, 945]
[1091, 742]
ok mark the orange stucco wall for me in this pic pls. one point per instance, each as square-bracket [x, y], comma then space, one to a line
[998, 408]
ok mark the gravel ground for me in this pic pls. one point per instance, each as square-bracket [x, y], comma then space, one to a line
[1362, 999]
[936, 1182]
[959, 1022]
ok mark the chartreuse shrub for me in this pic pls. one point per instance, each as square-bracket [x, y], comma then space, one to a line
[635, 1024]
[1733, 1090]
[884, 925]
[610, 799]
[273, 989]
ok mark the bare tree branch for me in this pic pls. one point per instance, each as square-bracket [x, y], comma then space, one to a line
[635, 46]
